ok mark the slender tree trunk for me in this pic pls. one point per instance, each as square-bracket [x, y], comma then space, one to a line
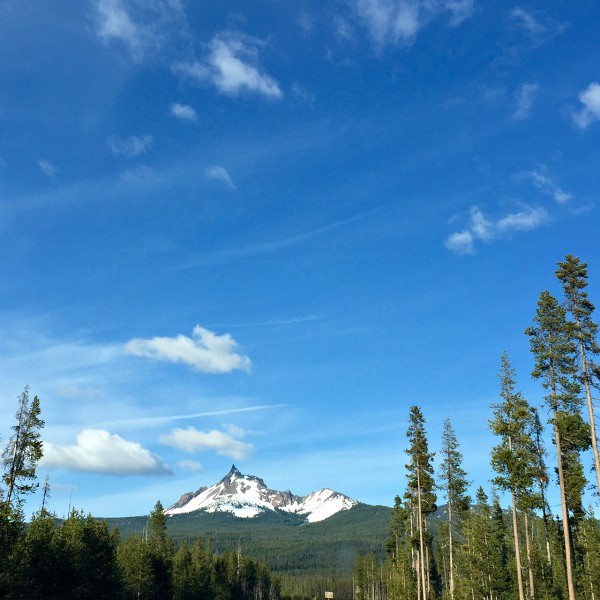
[565, 515]
[528, 540]
[529, 564]
[517, 547]
[421, 541]
[450, 548]
[588, 397]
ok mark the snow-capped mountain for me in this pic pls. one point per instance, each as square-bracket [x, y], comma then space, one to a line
[248, 496]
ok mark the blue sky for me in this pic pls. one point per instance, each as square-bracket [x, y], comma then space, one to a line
[258, 232]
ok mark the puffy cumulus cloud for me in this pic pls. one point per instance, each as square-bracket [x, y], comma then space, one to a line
[142, 27]
[232, 66]
[205, 351]
[183, 112]
[590, 98]
[399, 21]
[191, 440]
[47, 167]
[219, 173]
[549, 185]
[525, 96]
[482, 228]
[98, 451]
[131, 146]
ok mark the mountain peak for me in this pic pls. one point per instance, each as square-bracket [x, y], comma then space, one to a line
[247, 496]
[233, 471]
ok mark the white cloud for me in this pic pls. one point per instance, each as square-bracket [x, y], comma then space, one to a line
[389, 21]
[526, 21]
[183, 112]
[399, 21]
[524, 220]
[525, 96]
[142, 27]
[461, 242]
[537, 25]
[191, 440]
[131, 146]
[232, 66]
[482, 228]
[590, 98]
[98, 451]
[549, 185]
[219, 173]
[234, 430]
[206, 351]
[115, 23]
[460, 10]
[190, 465]
[47, 167]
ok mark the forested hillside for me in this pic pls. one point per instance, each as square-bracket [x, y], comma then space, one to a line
[467, 549]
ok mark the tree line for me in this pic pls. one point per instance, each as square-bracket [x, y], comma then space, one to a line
[478, 551]
[80, 558]
[482, 551]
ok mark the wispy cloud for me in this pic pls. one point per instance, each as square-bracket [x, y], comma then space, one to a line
[399, 21]
[536, 25]
[206, 351]
[232, 66]
[273, 246]
[190, 465]
[114, 23]
[218, 173]
[549, 185]
[527, 22]
[590, 98]
[98, 451]
[141, 421]
[47, 167]
[482, 228]
[142, 27]
[191, 440]
[525, 96]
[131, 146]
[183, 112]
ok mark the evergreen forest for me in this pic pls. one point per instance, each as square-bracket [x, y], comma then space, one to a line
[441, 542]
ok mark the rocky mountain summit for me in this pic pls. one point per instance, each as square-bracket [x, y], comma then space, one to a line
[247, 496]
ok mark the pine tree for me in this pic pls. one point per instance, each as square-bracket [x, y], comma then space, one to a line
[421, 496]
[24, 450]
[400, 583]
[573, 275]
[554, 350]
[514, 458]
[455, 485]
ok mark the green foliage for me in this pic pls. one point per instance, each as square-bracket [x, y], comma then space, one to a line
[24, 450]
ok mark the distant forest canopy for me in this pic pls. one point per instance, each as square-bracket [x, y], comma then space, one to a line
[476, 550]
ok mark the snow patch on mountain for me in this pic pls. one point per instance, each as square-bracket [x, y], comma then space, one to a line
[247, 496]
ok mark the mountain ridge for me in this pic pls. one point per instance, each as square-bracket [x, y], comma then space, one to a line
[247, 496]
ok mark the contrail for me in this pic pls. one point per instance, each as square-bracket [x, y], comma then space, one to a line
[211, 413]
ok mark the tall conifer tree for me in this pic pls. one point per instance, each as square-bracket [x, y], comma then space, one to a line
[24, 450]
[554, 352]
[455, 485]
[514, 458]
[573, 275]
[421, 495]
